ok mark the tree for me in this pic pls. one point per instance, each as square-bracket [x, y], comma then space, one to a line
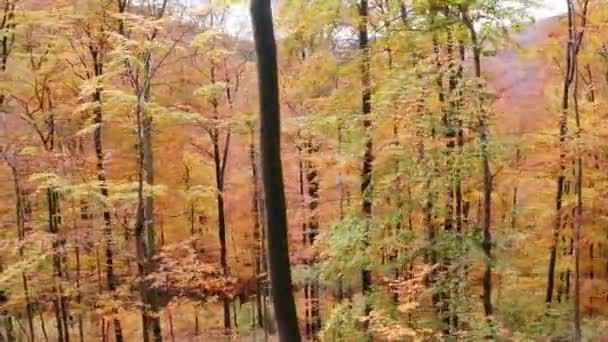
[272, 176]
[366, 110]
[216, 49]
[572, 49]
[140, 77]
[91, 50]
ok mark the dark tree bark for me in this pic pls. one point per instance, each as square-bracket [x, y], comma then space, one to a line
[272, 175]
[220, 158]
[484, 132]
[171, 330]
[59, 300]
[257, 236]
[344, 197]
[590, 85]
[79, 294]
[102, 320]
[20, 219]
[312, 230]
[43, 327]
[366, 110]
[563, 131]
[578, 217]
[300, 147]
[450, 130]
[103, 184]
[220, 162]
[573, 46]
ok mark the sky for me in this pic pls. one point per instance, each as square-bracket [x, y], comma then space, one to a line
[550, 8]
[239, 20]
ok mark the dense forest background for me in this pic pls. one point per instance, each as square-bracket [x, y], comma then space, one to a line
[444, 164]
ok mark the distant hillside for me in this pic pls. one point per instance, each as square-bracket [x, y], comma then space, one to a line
[518, 77]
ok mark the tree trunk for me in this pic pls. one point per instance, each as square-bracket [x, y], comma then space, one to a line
[366, 110]
[144, 226]
[79, 293]
[343, 191]
[220, 162]
[145, 235]
[484, 133]
[450, 132]
[460, 140]
[591, 85]
[563, 130]
[43, 326]
[103, 189]
[20, 219]
[311, 235]
[53, 210]
[9, 328]
[196, 322]
[578, 217]
[272, 175]
[65, 316]
[579, 165]
[255, 207]
[171, 332]
[307, 313]
[487, 203]
[150, 230]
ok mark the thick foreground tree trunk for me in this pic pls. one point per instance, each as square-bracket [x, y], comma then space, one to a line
[272, 175]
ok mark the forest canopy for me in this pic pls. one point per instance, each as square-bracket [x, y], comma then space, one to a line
[319, 170]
